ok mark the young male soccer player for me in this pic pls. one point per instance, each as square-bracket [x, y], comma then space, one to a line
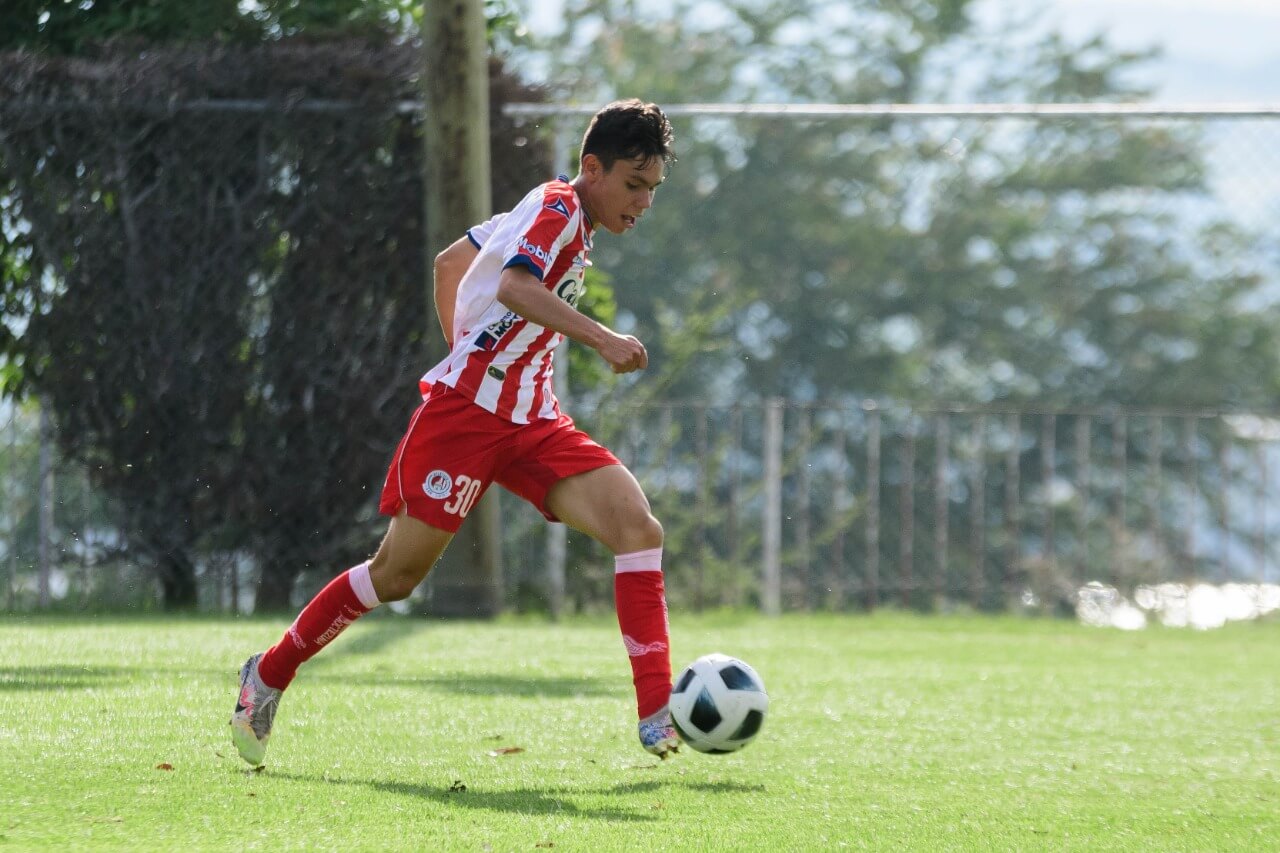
[505, 294]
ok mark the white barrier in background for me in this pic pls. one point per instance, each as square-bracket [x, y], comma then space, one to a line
[1201, 606]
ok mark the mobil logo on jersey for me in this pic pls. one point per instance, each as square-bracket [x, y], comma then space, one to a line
[536, 252]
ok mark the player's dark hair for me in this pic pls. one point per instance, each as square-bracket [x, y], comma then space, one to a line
[625, 130]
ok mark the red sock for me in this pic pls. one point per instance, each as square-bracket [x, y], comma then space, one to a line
[642, 616]
[346, 598]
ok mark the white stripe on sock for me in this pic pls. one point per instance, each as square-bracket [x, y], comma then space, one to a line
[639, 561]
[362, 585]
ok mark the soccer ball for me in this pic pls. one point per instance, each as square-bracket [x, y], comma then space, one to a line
[718, 704]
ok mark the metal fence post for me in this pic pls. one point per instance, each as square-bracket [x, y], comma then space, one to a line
[1263, 497]
[1083, 426]
[44, 518]
[1190, 519]
[835, 573]
[1013, 506]
[978, 513]
[803, 562]
[871, 589]
[1224, 517]
[1048, 568]
[907, 523]
[11, 522]
[702, 439]
[771, 580]
[736, 549]
[941, 515]
[1119, 560]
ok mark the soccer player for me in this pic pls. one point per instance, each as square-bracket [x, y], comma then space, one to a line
[506, 295]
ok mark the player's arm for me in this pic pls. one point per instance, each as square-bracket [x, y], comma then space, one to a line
[450, 266]
[525, 294]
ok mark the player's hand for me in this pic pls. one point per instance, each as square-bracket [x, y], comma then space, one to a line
[624, 353]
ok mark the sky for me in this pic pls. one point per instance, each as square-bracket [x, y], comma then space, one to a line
[1215, 51]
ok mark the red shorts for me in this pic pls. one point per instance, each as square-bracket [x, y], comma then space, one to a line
[453, 450]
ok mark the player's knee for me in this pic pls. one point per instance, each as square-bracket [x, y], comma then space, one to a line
[652, 530]
[394, 583]
[643, 533]
[396, 588]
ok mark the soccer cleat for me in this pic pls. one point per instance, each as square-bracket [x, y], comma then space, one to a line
[254, 714]
[658, 735]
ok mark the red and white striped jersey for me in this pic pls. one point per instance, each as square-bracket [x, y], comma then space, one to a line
[499, 359]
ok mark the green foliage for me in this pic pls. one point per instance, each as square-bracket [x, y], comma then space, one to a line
[195, 269]
[15, 274]
[586, 368]
[63, 27]
[58, 26]
[975, 260]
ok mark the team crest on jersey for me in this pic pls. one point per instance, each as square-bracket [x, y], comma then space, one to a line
[559, 207]
[438, 485]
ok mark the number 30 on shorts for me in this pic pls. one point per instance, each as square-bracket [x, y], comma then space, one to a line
[464, 496]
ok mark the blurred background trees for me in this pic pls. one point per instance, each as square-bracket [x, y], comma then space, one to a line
[968, 260]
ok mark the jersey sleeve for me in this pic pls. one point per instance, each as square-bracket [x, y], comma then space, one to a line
[480, 234]
[554, 224]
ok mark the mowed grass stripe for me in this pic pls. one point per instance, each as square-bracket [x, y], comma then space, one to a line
[885, 732]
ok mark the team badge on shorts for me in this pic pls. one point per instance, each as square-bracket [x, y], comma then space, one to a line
[438, 484]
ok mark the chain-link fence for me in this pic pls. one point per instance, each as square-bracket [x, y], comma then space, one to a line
[214, 279]
[785, 506]
[258, 326]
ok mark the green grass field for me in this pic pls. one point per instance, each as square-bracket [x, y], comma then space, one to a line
[885, 732]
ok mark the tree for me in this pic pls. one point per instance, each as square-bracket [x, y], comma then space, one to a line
[973, 261]
[200, 291]
[186, 275]
[1060, 263]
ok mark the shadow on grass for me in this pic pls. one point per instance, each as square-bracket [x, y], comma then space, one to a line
[532, 801]
[382, 632]
[59, 677]
[487, 684]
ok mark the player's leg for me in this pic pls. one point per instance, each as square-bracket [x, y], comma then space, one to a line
[609, 505]
[408, 551]
[441, 467]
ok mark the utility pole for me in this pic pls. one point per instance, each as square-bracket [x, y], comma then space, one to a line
[467, 582]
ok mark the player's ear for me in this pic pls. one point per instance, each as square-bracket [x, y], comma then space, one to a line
[593, 167]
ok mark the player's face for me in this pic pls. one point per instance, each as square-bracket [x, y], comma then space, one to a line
[621, 194]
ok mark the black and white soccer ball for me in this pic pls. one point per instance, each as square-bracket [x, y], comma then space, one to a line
[718, 704]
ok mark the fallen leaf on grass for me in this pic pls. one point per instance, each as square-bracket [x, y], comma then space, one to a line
[164, 765]
[506, 750]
